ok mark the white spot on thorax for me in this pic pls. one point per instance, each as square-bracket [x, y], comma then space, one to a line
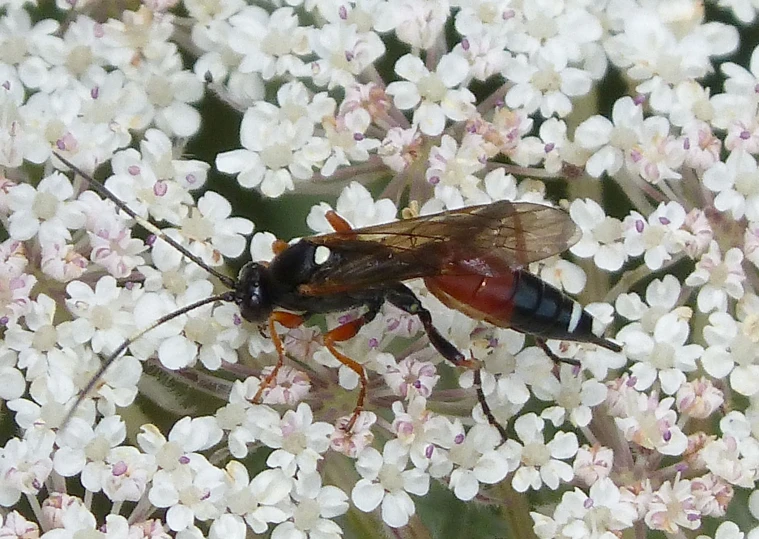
[575, 318]
[321, 255]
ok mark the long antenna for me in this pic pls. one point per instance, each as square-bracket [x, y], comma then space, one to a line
[226, 296]
[229, 282]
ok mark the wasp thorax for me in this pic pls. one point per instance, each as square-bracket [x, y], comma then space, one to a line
[253, 293]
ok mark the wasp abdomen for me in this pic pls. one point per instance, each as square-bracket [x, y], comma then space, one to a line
[519, 300]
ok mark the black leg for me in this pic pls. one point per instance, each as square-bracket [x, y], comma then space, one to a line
[402, 297]
[556, 359]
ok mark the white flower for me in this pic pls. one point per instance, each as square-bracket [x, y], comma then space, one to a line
[610, 140]
[659, 237]
[269, 43]
[344, 53]
[314, 506]
[699, 398]
[432, 95]
[46, 211]
[718, 278]
[593, 463]
[420, 433]
[657, 155]
[601, 513]
[673, 506]
[649, 48]
[206, 337]
[555, 28]
[385, 480]
[545, 81]
[297, 440]
[651, 424]
[279, 142]
[210, 232]
[732, 351]
[17, 525]
[663, 354]
[80, 445]
[733, 458]
[411, 376]
[71, 516]
[102, 313]
[193, 489]
[477, 458]
[541, 462]
[25, 465]
[572, 394]
[187, 435]
[742, 81]
[451, 169]
[257, 501]
[186, 483]
[417, 23]
[170, 90]
[146, 190]
[110, 238]
[486, 52]
[737, 183]
[601, 235]
[123, 475]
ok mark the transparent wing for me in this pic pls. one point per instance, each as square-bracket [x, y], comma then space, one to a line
[488, 238]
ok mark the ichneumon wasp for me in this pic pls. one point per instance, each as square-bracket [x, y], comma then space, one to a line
[472, 259]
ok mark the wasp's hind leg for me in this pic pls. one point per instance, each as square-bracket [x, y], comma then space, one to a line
[402, 297]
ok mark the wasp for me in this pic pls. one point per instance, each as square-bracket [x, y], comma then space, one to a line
[473, 259]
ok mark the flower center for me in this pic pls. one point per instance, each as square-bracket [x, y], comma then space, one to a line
[197, 227]
[306, 515]
[295, 443]
[45, 206]
[390, 477]
[45, 338]
[432, 88]
[276, 156]
[101, 317]
[535, 454]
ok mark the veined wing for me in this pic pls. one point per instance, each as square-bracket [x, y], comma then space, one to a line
[478, 239]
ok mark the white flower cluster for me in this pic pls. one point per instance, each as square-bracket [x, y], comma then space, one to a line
[453, 100]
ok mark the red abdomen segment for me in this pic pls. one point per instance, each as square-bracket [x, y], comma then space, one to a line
[519, 300]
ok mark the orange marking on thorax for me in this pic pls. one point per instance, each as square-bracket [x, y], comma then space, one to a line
[279, 246]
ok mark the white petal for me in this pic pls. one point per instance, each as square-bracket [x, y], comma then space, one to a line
[405, 94]
[177, 352]
[366, 495]
[179, 517]
[234, 161]
[430, 118]
[410, 67]
[452, 69]
[396, 509]
[593, 132]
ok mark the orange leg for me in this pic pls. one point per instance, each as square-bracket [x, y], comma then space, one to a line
[290, 321]
[343, 333]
